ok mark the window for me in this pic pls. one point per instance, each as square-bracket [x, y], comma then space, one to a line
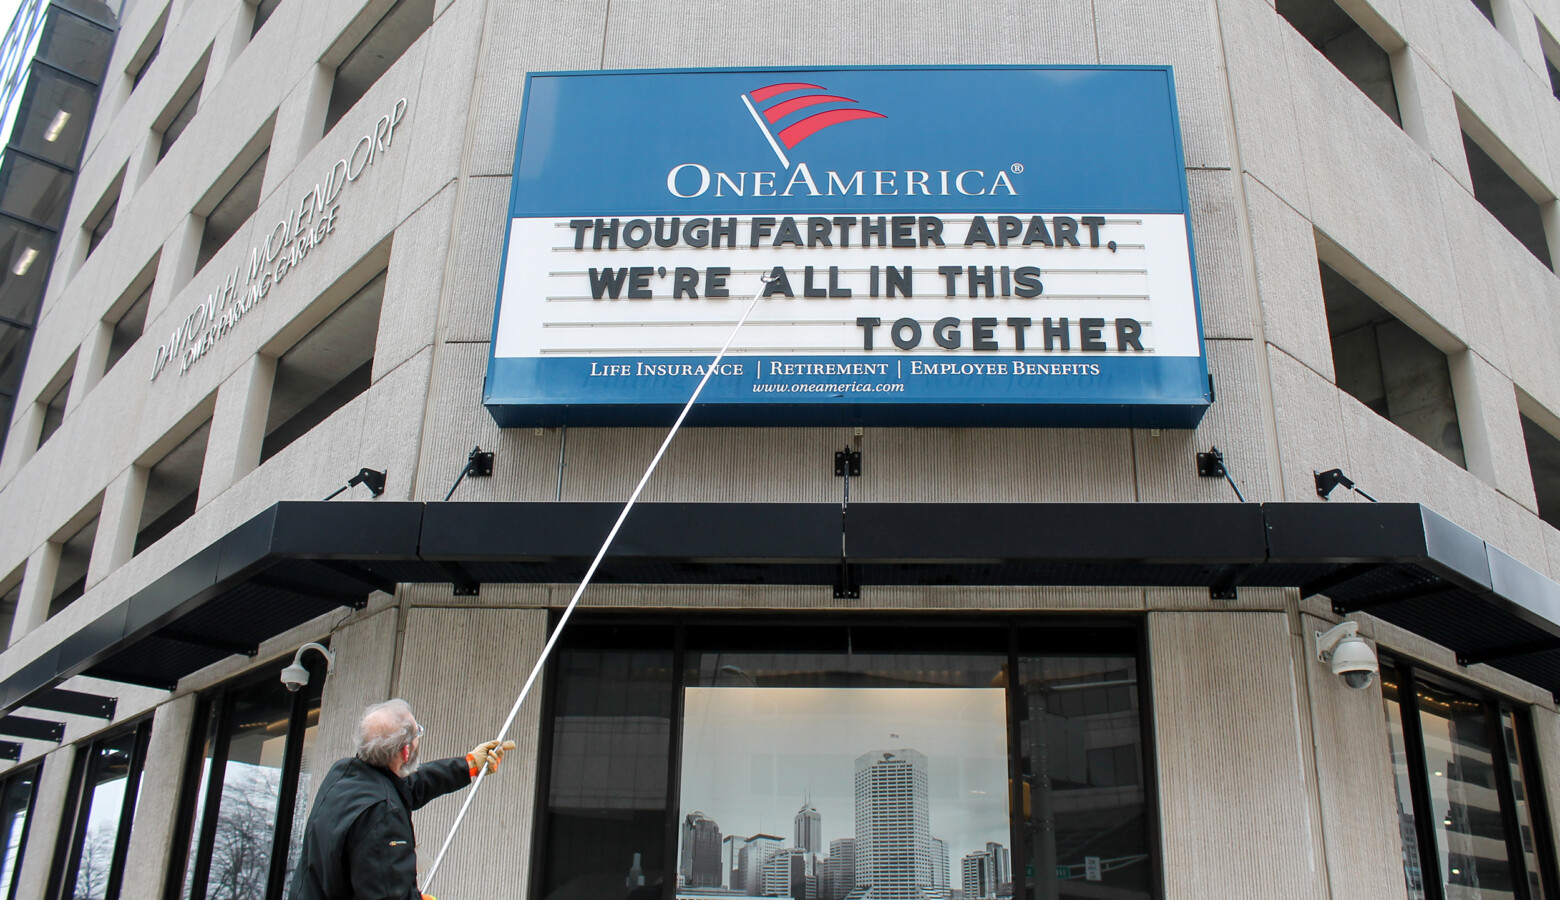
[54, 407]
[172, 487]
[1484, 7]
[1543, 453]
[263, 11]
[53, 115]
[10, 595]
[102, 218]
[246, 789]
[232, 211]
[809, 760]
[18, 791]
[150, 47]
[1469, 824]
[70, 580]
[14, 342]
[34, 190]
[1385, 365]
[178, 119]
[375, 54]
[130, 323]
[1551, 49]
[1346, 45]
[75, 44]
[105, 788]
[1511, 205]
[326, 368]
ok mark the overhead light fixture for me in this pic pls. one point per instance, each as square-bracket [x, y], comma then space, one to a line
[25, 261]
[56, 126]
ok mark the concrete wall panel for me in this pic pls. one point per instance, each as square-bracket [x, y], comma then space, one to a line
[1223, 289]
[1359, 804]
[461, 671]
[1166, 463]
[1228, 751]
[152, 837]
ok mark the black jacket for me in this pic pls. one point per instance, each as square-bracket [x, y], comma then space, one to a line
[359, 844]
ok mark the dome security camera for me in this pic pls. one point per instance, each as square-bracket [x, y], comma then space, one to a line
[1350, 656]
[295, 676]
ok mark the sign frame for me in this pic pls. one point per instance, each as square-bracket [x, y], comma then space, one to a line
[1131, 401]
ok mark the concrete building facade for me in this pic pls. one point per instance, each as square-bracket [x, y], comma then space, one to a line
[1373, 188]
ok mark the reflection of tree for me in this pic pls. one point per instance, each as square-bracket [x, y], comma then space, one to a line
[97, 857]
[241, 852]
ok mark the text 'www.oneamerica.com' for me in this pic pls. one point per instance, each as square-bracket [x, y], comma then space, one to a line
[846, 388]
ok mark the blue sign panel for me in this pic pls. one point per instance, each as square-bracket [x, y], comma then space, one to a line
[934, 246]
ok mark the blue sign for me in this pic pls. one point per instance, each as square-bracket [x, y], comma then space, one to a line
[934, 246]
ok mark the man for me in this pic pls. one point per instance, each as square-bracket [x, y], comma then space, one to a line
[359, 843]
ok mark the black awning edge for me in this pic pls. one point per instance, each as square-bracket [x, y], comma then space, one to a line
[1388, 557]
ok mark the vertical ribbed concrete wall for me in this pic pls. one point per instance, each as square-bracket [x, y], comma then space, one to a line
[1358, 799]
[1234, 808]
[461, 670]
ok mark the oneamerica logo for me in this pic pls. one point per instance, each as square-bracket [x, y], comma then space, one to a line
[792, 118]
[800, 181]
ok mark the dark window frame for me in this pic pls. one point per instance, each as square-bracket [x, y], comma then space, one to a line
[214, 715]
[1059, 639]
[74, 819]
[36, 771]
[1494, 707]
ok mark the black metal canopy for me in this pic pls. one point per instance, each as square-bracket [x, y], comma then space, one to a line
[296, 560]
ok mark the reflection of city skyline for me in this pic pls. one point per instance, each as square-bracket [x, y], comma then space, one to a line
[891, 855]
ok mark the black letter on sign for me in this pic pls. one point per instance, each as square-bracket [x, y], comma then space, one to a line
[715, 282]
[606, 281]
[778, 284]
[1008, 228]
[902, 236]
[1028, 279]
[867, 324]
[761, 226]
[1066, 230]
[685, 282]
[981, 337]
[639, 283]
[1093, 223]
[979, 233]
[913, 340]
[1018, 324]
[1128, 332]
[946, 333]
[1089, 334]
[931, 231]
[807, 283]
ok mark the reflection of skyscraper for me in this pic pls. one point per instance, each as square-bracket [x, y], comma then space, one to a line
[789, 873]
[1001, 862]
[749, 876]
[987, 873]
[809, 829]
[729, 846]
[700, 865]
[839, 870]
[940, 867]
[893, 825]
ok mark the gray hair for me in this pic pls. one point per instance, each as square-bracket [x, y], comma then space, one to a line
[385, 729]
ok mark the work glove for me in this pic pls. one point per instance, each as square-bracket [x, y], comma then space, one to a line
[429, 897]
[487, 755]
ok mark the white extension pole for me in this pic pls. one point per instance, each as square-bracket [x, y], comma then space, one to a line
[590, 573]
